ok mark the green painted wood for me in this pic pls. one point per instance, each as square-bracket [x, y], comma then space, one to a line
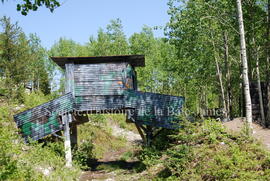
[44, 119]
[157, 110]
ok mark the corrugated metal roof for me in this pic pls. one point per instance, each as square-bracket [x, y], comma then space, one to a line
[134, 60]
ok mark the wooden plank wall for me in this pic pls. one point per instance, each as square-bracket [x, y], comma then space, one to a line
[153, 109]
[44, 119]
[101, 86]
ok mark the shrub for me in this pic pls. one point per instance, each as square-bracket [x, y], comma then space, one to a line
[34, 99]
[149, 156]
[83, 155]
[206, 151]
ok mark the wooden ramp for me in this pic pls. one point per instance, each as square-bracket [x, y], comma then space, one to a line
[152, 109]
[143, 108]
[45, 119]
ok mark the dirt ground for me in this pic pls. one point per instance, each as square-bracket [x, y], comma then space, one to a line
[260, 133]
[112, 159]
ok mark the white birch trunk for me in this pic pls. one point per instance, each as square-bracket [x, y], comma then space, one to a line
[248, 105]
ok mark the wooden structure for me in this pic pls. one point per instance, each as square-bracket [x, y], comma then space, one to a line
[44, 120]
[105, 84]
[99, 83]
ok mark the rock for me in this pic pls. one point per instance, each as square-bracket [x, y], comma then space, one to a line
[45, 171]
[129, 135]
[19, 107]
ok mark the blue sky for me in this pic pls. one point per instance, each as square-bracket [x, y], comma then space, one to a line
[78, 19]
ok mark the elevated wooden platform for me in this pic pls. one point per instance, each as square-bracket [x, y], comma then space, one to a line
[102, 85]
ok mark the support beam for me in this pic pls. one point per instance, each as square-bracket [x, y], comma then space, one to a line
[149, 135]
[68, 155]
[67, 119]
[73, 136]
[80, 119]
[140, 132]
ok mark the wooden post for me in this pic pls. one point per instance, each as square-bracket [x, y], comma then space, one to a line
[67, 119]
[74, 135]
[149, 135]
[68, 154]
[140, 132]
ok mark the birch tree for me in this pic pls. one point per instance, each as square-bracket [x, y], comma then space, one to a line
[248, 105]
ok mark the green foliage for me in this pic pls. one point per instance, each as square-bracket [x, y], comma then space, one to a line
[56, 146]
[65, 47]
[83, 155]
[23, 62]
[207, 151]
[19, 161]
[36, 98]
[198, 29]
[100, 134]
[149, 156]
[111, 42]
[127, 156]
[41, 69]
[9, 168]
[30, 5]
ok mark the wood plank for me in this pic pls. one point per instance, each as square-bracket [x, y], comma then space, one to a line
[44, 119]
[153, 109]
[100, 102]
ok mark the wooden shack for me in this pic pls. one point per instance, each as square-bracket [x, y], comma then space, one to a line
[99, 85]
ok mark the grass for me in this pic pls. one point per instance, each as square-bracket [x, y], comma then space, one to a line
[101, 136]
[36, 161]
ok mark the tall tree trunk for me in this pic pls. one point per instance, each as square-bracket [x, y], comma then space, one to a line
[228, 75]
[219, 75]
[259, 87]
[248, 104]
[268, 64]
[241, 99]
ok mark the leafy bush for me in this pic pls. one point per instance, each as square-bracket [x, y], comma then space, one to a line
[83, 155]
[9, 150]
[207, 151]
[149, 156]
[34, 99]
